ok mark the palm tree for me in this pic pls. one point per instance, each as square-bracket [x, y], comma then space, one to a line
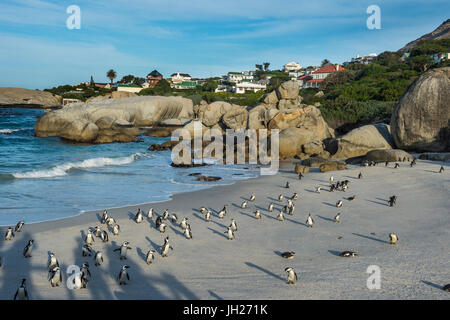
[325, 62]
[111, 74]
[266, 66]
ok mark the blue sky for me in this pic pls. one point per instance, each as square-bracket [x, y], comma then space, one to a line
[201, 37]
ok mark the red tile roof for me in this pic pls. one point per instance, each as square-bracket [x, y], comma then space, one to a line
[329, 68]
[305, 77]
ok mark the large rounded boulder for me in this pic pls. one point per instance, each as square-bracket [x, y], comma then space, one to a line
[421, 119]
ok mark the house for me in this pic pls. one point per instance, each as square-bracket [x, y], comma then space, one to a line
[153, 78]
[186, 85]
[292, 67]
[129, 87]
[244, 87]
[364, 59]
[67, 101]
[438, 57]
[180, 77]
[319, 75]
[239, 76]
[303, 79]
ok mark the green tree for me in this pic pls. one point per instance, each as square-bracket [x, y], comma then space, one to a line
[421, 63]
[266, 66]
[210, 85]
[127, 79]
[111, 74]
[259, 67]
[325, 62]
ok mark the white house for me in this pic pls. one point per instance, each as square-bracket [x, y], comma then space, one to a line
[243, 87]
[292, 67]
[438, 57]
[315, 79]
[364, 59]
[180, 77]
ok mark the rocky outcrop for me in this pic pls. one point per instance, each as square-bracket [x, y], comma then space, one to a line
[332, 166]
[301, 169]
[112, 95]
[421, 119]
[111, 120]
[236, 118]
[288, 90]
[361, 140]
[388, 155]
[317, 162]
[29, 98]
[210, 114]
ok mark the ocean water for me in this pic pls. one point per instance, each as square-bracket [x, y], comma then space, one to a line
[45, 178]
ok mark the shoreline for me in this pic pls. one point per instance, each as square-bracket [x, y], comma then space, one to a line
[211, 267]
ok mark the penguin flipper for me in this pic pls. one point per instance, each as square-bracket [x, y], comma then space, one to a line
[128, 276]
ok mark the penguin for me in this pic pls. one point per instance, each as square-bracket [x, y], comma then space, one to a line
[188, 233]
[446, 287]
[116, 229]
[230, 233]
[285, 209]
[203, 210]
[22, 293]
[150, 214]
[291, 210]
[337, 218]
[386, 164]
[9, 234]
[123, 250]
[294, 196]
[233, 225]
[318, 189]
[396, 165]
[150, 256]
[288, 255]
[110, 221]
[257, 214]
[244, 205]
[28, 249]
[360, 175]
[98, 258]
[162, 227]
[85, 270]
[77, 280]
[393, 238]
[351, 198]
[292, 276]
[280, 216]
[86, 250]
[97, 231]
[441, 169]
[158, 221]
[300, 176]
[165, 214]
[339, 204]
[208, 215]
[138, 218]
[309, 221]
[89, 239]
[222, 213]
[183, 223]
[53, 262]
[270, 207]
[174, 218]
[104, 236]
[165, 247]
[104, 217]
[331, 179]
[19, 226]
[55, 277]
[123, 275]
[290, 203]
[348, 254]
[252, 197]
[280, 198]
[392, 201]
[288, 185]
[332, 188]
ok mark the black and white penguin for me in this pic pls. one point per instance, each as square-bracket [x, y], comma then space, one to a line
[203, 210]
[165, 247]
[392, 200]
[291, 210]
[165, 214]
[97, 231]
[174, 218]
[292, 276]
[28, 249]
[162, 227]
[441, 169]
[353, 197]
[252, 197]
[222, 212]
[123, 250]
[188, 233]
[270, 207]
[184, 223]
[208, 215]
[123, 275]
[257, 214]
[138, 218]
[348, 254]
[393, 238]
[89, 239]
[309, 221]
[53, 262]
[294, 196]
[360, 175]
[150, 256]
[230, 233]
[104, 216]
[233, 225]
[337, 218]
[110, 221]
[19, 226]
[22, 293]
[104, 236]
[288, 185]
[396, 165]
[318, 189]
[158, 221]
[98, 258]
[280, 198]
[85, 270]
[150, 214]
[300, 176]
[9, 234]
[244, 205]
[54, 276]
[446, 287]
[280, 216]
[86, 250]
[331, 179]
[288, 255]
[339, 204]
[116, 229]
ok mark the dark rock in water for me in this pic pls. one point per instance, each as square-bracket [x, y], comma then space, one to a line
[421, 119]
[194, 174]
[208, 178]
[158, 147]
[188, 165]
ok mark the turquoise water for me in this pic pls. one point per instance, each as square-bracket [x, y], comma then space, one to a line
[45, 178]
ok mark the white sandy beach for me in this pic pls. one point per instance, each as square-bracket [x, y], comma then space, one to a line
[249, 267]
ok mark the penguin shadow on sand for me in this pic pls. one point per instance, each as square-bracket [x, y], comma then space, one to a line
[329, 204]
[199, 217]
[293, 221]
[131, 215]
[431, 284]
[214, 295]
[270, 273]
[335, 253]
[154, 245]
[325, 218]
[377, 202]
[141, 253]
[16, 267]
[370, 238]
[268, 216]
[176, 231]
[222, 234]
[99, 217]
[246, 214]
[274, 199]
